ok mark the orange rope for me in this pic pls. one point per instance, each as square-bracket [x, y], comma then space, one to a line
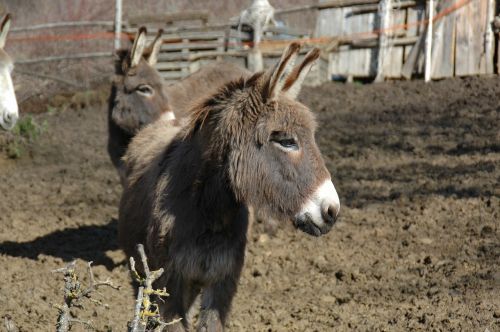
[318, 40]
[359, 35]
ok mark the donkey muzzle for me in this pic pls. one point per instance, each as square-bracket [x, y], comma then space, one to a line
[9, 120]
[320, 212]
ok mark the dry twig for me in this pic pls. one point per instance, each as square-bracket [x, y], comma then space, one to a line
[74, 293]
[146, 314]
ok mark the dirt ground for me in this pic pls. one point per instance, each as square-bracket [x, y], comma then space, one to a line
[417, 169]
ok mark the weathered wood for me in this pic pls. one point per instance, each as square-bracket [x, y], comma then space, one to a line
[489, 37]
[77, 24]
[373, 43]
[328, 4]
[443, 48]
[286, 31]
[187, 45]
[168, 18]
[428, 40]
[395, 56]
[384, 14]
[67, 57]
[255, 60]
[363, 9]
[199, 55]
[470, 29]
[118, 24]
[325, 4]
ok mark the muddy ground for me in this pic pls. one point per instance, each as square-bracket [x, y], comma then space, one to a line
[417, 168]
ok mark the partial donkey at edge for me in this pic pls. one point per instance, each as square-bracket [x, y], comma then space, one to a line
[249, 144]
[9, 110]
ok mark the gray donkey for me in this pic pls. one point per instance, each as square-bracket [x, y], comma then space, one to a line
[139, 96]
[189, 187]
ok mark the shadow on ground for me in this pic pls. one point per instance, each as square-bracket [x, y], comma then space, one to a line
[88, 243]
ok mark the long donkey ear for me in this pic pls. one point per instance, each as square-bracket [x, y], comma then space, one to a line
[277, 76]
[138, 47]
[4, 30]
[154, 49]
[296, 78]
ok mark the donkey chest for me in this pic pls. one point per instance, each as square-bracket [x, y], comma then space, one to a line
[209, 257]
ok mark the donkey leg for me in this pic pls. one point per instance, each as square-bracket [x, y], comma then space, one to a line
[172, 307]
[215, 305]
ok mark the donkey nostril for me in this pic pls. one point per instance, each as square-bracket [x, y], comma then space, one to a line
[330, 214]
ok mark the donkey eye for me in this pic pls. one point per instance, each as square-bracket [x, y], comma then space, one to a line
[145, 90]
[284, 141]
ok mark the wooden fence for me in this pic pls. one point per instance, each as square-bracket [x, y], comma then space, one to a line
[349, 33]
[358, 38]
[462, 41]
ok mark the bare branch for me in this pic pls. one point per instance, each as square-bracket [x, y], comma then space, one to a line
[10, 326]
[73, 294]
[146, 314]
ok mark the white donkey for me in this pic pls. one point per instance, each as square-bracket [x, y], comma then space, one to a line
[8, 103]
[258, 16]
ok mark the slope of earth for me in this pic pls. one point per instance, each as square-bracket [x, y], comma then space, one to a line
[417, 247]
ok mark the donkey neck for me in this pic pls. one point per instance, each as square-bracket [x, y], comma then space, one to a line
[196, 179]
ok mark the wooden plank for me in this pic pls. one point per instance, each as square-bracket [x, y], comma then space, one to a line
[192, 35]
[394, 65]
[286, 31]
[428, 39]
[355, 62]
[191, 56]
[443, 49]
[470, 30]
[413, 15]
[489, 37]
[399, 5]
[168, 18]
[186, 45]
[383, 55]
[395, 42]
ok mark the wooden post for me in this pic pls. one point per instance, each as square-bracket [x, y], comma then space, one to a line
[118, 23]
[385, 9]
[255, 60]
[489, 37]
[428, 41]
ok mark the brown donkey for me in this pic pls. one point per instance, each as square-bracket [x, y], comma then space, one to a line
[250, 143]
[139, 97]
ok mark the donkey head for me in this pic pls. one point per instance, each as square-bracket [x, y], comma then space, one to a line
[266, 142]
[139, 98]
[8, 103]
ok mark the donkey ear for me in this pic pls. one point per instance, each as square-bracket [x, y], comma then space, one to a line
[277, 76]
[296, 78]
[138, 47]
[4, 29]
[154, 49]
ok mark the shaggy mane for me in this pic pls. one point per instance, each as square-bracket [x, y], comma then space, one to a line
[201, 111]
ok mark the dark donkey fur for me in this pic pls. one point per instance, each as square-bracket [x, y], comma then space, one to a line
[139, 97]
[250, 143]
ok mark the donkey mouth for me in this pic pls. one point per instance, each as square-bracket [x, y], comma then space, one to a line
[306, 224]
